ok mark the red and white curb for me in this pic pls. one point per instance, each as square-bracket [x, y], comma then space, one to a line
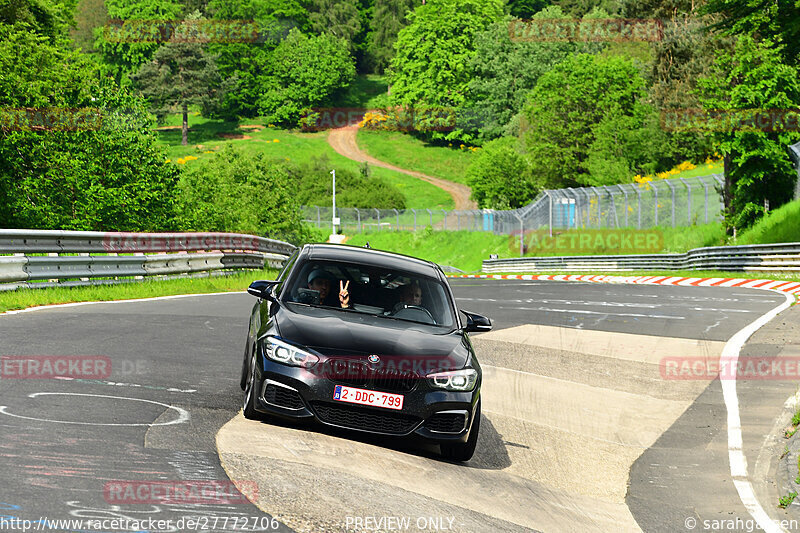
[792, 287]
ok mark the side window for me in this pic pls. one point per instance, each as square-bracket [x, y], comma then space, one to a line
[287, 267]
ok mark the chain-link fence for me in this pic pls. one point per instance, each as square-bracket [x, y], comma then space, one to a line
[670, 202]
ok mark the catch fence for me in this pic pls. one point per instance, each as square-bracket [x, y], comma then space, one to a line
[669, 202]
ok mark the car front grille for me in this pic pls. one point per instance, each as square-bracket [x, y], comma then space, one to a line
[362, 375]
[365, 419]
[283, 397]
[447, 422]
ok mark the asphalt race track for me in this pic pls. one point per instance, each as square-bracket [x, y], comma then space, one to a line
[574, 398]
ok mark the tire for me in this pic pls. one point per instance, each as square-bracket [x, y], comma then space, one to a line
[463, 451]
[249, 409]
[245, 361]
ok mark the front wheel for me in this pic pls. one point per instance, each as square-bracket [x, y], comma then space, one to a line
[463, 451]
[250, 392]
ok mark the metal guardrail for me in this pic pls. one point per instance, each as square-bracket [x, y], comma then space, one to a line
[784, 257]
[95, 255]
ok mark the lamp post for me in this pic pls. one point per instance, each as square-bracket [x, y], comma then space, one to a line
[334, 219]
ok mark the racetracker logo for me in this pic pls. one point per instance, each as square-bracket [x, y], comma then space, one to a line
[586, 30]
[194, 31]
[589, 241]
[729, 120]
[740, 368]
[54, 366]
[47, 119]
[158, 242]
[389, 368]
[180, 492]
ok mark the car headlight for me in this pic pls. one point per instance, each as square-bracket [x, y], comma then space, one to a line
[283, 352]
[454, 380]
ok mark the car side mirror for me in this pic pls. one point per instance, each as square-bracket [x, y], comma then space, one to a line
[476, 323]
[262, 289]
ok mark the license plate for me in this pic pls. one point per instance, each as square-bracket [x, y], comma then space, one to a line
[368, 397]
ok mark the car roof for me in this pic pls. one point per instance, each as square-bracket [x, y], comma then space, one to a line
[370, 256]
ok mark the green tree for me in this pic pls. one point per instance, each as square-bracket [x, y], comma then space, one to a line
[44, 17]
[626, 144]
[505, 71]
[340, 18]
[313, 186]
[233, 191]
[246, 64]
[388, 18]
[565, 107]
[105, 174]
[304, 71]
[122, 49]
[525, 9]
[685, 54]
[433, 63]
[757, 167]
[500, 176]
[181, 74]
[777, 22]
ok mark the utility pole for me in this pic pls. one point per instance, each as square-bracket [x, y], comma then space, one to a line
[334, 220]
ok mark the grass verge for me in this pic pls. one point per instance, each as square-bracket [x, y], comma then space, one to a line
[460, 249]
[780, 225]
[406, 151]
[466, 250]
[253, 136]
[24, 298]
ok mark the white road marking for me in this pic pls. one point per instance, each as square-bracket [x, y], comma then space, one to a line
[183, 415]
[736, 457]
[585, 312]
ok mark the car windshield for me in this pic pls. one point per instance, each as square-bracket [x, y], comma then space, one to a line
[377, 291]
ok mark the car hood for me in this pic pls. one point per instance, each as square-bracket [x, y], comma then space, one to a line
[338, 333]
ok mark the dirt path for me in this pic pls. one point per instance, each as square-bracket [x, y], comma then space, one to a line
[343, 140]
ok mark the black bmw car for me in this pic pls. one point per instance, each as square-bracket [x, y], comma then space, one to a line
[365, 340]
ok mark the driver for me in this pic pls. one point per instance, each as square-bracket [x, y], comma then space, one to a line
[320, 280]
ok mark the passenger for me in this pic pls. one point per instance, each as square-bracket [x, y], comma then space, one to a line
[412, 294]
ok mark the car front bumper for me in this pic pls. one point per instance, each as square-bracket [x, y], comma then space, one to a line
[295, 393]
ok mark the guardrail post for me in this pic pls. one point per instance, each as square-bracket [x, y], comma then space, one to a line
[431, 214]
[319, 219]
[396, 212]
[379, 217]
[358, 216]
[639, 207]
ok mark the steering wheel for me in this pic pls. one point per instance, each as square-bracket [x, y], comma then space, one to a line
[399, 308]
